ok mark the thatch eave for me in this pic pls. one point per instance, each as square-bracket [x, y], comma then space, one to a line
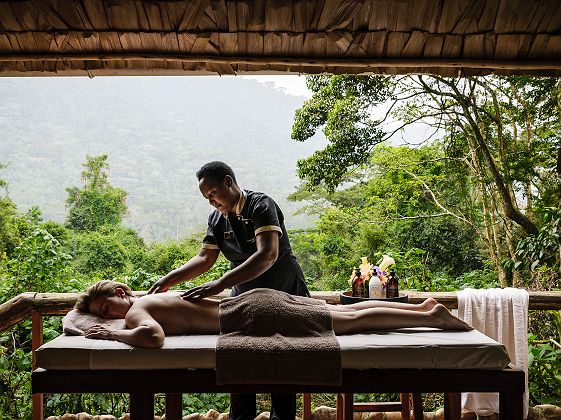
[126, 37]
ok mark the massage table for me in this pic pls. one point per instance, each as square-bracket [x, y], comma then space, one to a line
[410, 360]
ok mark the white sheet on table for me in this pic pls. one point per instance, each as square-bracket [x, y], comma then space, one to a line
[405, 348]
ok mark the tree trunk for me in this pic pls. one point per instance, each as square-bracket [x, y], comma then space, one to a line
[469, 112]
[495, 228]
[510, 243]
[494, 251]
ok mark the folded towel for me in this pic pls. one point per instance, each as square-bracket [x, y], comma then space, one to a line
[272, 337]
[76, 322]
[501, 314]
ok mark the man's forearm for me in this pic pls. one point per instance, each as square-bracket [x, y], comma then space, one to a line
[253, 267]
[191, 269]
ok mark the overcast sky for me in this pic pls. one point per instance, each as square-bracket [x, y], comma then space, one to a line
[293, 85]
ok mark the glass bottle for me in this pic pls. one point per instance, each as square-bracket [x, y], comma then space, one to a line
[358, 284]
[392, 288]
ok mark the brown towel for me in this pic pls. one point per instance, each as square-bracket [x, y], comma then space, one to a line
[76, 322]
[272, 337]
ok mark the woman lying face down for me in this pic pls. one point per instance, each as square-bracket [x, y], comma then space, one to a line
[150, 318]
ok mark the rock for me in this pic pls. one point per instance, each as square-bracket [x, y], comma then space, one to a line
[374, 416]
[535, 414]
[393, 415]
[324, 413]
[223, 416]
[551, 411]
[53, 418]
[194, 416]
[68, 416]
[84, 416]
[439, 414]
[211, 415]
[125, 416]
[106, 417]
[263, 416]
[544, 412]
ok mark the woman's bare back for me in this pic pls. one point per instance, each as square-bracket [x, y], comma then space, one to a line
[176, 315]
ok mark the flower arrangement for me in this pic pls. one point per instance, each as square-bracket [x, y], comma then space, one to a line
[367, 270]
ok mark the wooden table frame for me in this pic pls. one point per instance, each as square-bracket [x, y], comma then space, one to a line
[143, 384]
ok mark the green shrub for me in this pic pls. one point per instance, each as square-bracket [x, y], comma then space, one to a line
[95, 252]
[544, 371]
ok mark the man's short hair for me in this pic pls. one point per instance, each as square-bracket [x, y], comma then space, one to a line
[101, 288]
[215, 171]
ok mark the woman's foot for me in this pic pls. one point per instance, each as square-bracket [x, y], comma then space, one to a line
[446, 321]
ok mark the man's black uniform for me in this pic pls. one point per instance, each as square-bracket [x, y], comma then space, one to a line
[234, 235]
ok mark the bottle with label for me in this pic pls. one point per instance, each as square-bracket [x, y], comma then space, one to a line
[376, 288]
[358, 284]
[392, 288]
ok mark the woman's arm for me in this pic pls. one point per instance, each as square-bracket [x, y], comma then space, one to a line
[145, 331]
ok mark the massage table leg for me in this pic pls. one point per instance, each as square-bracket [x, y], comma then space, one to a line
[511, 405]
[417, 406]
[452, 406]
[174, 407]
[142, 406]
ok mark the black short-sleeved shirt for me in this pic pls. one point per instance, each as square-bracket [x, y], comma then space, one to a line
[234, 236]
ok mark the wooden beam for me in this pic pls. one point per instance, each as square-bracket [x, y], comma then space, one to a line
[20, 307]
[351, 62]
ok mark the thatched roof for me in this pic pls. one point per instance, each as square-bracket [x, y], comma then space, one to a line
[130, 37]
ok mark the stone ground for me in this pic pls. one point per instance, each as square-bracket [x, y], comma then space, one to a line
[539, 412]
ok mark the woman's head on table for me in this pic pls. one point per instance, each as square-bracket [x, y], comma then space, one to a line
[107, 299]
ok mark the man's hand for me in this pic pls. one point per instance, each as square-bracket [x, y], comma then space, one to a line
[209, 288]
[101, 332]
[160, 286]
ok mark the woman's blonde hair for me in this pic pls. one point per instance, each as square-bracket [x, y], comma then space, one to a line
[101, 288]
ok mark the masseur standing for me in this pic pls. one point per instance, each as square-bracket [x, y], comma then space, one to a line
[248, 228]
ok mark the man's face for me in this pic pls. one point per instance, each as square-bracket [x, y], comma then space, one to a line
[111, 307]
[220, 195]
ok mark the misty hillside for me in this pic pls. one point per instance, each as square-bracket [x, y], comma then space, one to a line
[157, 132]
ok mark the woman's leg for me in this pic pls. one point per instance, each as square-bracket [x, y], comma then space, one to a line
[425, 306]
[385, 318]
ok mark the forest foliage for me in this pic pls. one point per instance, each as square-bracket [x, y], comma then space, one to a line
[476, 205]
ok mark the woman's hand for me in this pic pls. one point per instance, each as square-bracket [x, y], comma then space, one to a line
[100, 332]
[160, 286]
[209, 288]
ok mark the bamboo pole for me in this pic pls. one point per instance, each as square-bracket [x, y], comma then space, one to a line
[48, 304]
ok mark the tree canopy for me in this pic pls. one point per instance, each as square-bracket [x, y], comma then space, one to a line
[499, 136]
[97, 203]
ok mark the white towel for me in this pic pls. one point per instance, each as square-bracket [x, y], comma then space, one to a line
[501, 314]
